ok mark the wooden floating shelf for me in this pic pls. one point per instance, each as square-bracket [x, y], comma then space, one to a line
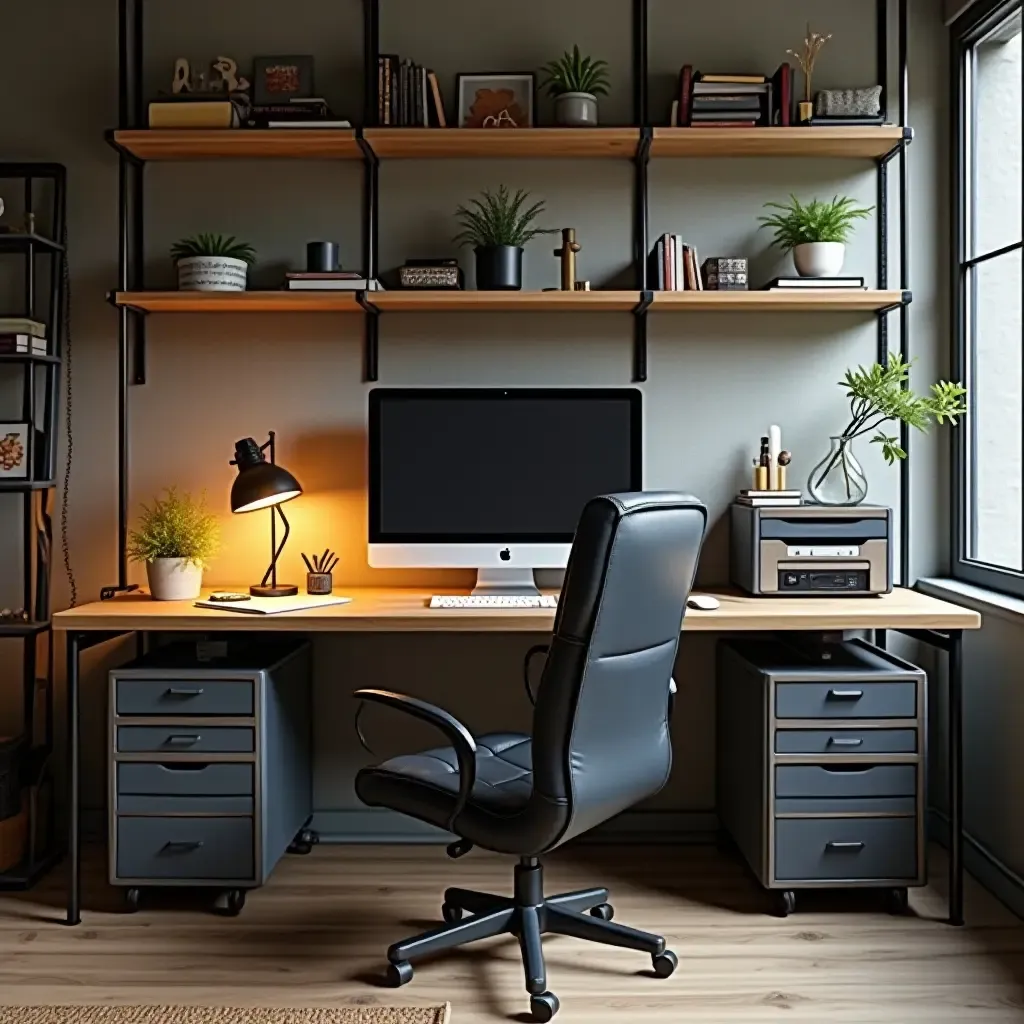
[804, 300]
[240, 143]
[510, 302]
[869, 143]
[240, 302]
[535, 143]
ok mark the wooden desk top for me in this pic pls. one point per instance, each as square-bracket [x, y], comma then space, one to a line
[403, 610]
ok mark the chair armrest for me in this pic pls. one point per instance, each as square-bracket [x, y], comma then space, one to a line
[457, 734]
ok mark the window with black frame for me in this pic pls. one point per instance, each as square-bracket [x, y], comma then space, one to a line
[989, 463]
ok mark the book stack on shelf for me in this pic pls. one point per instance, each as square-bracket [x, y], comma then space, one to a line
[790, 284]
[21, 337]
[732, 100]
[673, 266]
[211, 110]
[408, 95]
[331, 281]
[312, 112]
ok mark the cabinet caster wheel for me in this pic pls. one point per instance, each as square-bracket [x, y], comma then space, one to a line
[785, 903]
[234, 901]
[131, 900]
[399, 974]
[300, 849]
[664, 963]
[451, 913]
[304, 842]
[897, 901]
[543, 1007]
[603, 911]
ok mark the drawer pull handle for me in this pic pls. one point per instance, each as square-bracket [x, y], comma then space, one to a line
[845, 694]
[844, 741]
[844, 846]
[184, 691]
[184, 741]
[184, 846]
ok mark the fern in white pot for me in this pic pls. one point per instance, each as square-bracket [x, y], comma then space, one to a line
[212, 263]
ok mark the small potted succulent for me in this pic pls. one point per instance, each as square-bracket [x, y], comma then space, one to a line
[175, 538]
[212, 263]
[576, 81]
[817, 233]
[498, 227]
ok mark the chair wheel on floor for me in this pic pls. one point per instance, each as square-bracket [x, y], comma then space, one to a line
[544, 1006]
[603, 911]
[399, 974]
[451, 913]
[664, 963]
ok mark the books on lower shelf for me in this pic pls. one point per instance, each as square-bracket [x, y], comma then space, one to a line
[769, 499]
[408, 95]
[22, 325]
[732, 100]
[783, 284]
[342, 282]
[22, 345]
[673, 266]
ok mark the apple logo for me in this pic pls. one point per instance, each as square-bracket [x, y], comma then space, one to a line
[505, 555]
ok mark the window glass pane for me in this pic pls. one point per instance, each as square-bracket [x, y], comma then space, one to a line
[994, 533]
[997, 138]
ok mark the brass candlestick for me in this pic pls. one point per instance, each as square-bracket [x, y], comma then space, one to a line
[567, 254]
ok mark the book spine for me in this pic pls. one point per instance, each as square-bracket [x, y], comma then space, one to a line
[438, 102]
[685, 94]
[678, 275]
[395, 76]
[386, 120]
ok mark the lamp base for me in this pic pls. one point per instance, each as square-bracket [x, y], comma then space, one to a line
[281, 590]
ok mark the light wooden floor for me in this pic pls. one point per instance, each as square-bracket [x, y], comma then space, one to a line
[317, 935]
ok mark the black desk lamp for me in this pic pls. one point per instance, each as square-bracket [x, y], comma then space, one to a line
[262, 484]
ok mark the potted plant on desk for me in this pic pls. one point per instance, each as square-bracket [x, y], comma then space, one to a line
[175, 538]
[576, 81]
[212, 263]
[817, 233]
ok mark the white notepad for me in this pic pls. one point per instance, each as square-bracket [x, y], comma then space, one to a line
[274, 605]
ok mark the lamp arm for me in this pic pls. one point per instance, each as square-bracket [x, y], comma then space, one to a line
[272, 568]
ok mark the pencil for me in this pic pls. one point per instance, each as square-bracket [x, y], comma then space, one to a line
[308, 565]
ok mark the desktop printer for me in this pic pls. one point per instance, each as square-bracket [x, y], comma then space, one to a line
[811, 549]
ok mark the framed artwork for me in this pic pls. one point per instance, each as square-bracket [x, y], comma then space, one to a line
[13, 451]
[278, 80]
[496, 100]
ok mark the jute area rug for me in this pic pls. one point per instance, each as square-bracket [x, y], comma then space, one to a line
[222, 1015]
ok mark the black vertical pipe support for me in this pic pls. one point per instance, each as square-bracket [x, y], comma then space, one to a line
[58, 299]
[74, 915]
[955, 667]
[904, 108]
[371, 187]
[641, 167]
[882, 200]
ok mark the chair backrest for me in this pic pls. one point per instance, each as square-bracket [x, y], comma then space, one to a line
[600, 728]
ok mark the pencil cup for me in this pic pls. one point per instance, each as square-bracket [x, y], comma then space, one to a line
[319, 582]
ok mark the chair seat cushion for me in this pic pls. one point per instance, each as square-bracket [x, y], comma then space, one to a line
[426, 785]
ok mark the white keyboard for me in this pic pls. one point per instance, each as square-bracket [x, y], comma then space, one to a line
[493, 601]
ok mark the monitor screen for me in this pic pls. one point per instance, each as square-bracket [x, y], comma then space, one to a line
[497, 465]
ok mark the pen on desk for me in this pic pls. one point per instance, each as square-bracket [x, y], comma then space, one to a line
[309, 565]
[334, 562]
[323, 560]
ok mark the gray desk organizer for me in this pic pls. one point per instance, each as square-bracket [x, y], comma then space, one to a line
[821, 766]
[210, 765]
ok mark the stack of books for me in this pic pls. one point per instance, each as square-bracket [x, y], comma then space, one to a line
[673, 266]
[22, 337]
[722, 100]
[788, 284]
[296, 113]
[408, 95]
[334, 281]
[769, 499]
[197, 110]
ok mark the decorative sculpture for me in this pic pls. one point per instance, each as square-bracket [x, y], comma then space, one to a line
[567, 254]
[182, 80]
[229, 79]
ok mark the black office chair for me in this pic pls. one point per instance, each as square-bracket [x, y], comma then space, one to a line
[600, 740]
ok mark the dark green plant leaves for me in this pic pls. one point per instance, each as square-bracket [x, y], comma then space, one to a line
[498, 218]
[573, 72]
[213, 245]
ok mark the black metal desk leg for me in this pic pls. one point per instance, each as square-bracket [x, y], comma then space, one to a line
[956, 780]
[72, 768]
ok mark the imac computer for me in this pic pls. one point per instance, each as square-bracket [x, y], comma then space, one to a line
[494, 480]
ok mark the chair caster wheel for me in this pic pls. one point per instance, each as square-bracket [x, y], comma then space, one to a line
[664, 963]
[131, 899]
[543, 1007]
[399, 974]
[234, 901]
[603, 911]
[897, 901]
[785, 903]
[451, 913]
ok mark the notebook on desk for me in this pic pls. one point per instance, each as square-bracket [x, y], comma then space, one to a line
[273, 605]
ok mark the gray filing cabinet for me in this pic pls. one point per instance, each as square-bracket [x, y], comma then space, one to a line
[210, 765]
[821, 765]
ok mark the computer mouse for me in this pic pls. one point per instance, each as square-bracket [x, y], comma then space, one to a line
[702, 602]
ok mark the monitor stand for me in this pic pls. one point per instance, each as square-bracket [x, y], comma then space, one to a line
[505, 582]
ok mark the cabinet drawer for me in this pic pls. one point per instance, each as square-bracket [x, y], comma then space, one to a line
[185, 739]
[842, 781]
[854, 849]
[846, 700]
[185, 779]
[186, 848]
[846, 741]
[184, 697]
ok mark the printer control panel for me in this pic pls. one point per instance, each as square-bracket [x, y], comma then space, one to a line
[793, 581]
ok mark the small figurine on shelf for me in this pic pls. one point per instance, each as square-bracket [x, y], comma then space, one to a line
[229, 81]
[319, 579]
[567, 254]
[806, 58]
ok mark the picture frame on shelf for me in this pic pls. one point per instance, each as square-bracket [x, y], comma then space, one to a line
[279, 80]
[496, 99]
[14, 451]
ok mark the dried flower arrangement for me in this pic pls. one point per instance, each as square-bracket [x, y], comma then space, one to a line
[813, 42]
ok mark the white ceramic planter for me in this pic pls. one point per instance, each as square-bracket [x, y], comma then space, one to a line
[212, 274]
[819, 259]
[576, 110]
[174, 579]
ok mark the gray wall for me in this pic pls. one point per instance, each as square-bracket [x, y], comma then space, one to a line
[715, 382]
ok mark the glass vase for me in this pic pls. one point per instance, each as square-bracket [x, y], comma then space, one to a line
[838, 479]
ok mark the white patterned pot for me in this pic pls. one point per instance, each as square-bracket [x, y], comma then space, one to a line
[819, 259]
[212, 274]
[576, 110]
[174, 579]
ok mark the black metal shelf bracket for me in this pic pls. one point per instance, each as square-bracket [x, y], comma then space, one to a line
[640, 336]
[371, 341]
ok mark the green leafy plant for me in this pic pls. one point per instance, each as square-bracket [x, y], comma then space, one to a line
[213, 245]
[816, 221]
[175, 526]
[573, 72]
[498, 218]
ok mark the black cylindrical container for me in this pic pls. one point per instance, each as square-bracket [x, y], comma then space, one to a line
[321, 257]
[499, 268]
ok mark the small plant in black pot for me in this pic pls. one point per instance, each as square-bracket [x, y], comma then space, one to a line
[498, 226]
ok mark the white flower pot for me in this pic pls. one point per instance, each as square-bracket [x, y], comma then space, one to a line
[212, 274]
[174, 579]
[819, 259]
[576, 110]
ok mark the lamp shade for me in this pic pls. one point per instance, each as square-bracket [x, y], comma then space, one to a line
[259, 483]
